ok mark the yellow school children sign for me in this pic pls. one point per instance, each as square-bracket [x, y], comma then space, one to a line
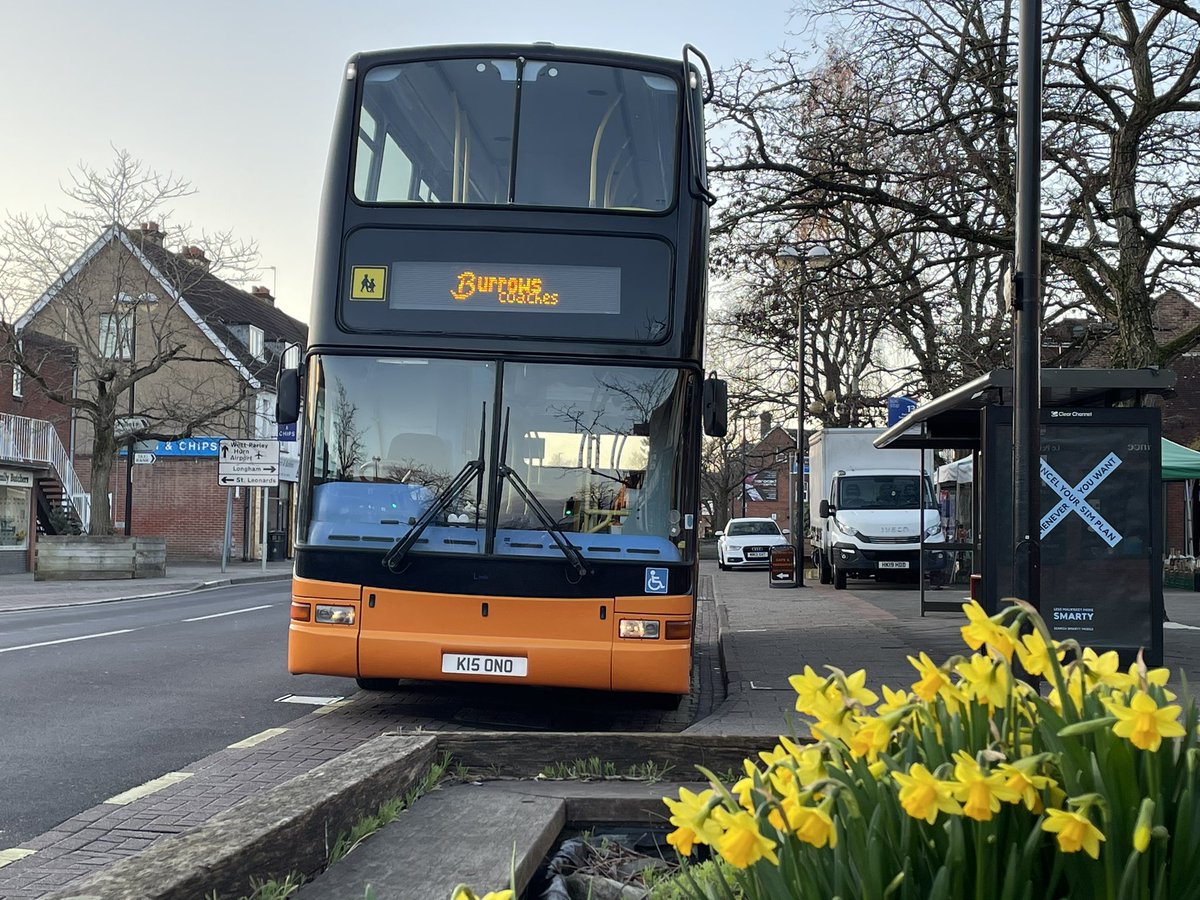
[368, 283]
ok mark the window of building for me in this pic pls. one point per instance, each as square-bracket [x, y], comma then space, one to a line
[255, 342]
[116, 336]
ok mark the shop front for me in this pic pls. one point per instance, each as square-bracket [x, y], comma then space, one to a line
[16, 518]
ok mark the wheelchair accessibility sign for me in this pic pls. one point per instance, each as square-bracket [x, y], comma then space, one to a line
[656, 581]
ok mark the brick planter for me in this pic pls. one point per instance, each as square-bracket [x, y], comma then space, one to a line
[89, 558]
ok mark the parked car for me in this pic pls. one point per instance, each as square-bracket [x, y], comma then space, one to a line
[747, 543]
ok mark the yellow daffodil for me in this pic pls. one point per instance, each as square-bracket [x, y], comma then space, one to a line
[1156, 677]
[923, 796]
[932, 678]
[692, 817]
[871, 737]
[1105, 668]
[814, 825]
[1143, 722]
[979, 792]
[742, 844]
[893, 701]
[1035, 656]
[855, 688]
[834, 719]
[809, 762]
[462, 892]
[985, 680]
[981, 630]
[1075, 832]
[1028, 784]
[809, 688]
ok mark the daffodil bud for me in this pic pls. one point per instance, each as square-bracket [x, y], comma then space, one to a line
[1141, 830]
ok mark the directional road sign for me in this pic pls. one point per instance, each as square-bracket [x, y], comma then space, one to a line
[248, 463]
[143, 459]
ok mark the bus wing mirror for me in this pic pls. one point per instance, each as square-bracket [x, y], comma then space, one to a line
[287, 396]
[825, 510]
[716, 407]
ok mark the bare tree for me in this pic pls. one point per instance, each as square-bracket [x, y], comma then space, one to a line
[908, 127]
[84, 277]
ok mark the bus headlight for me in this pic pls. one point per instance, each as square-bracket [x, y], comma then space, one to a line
[638, 629]
[335, 615]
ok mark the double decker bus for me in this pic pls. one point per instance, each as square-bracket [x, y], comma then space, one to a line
[503, 392]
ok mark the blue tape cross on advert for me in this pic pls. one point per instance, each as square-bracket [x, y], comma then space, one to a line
[1073, 499]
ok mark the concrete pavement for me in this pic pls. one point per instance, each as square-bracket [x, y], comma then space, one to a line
[751, 637]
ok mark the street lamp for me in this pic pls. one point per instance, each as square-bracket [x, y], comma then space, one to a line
[816, 258]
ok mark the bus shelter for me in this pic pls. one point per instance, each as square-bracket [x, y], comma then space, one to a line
[1101, 522]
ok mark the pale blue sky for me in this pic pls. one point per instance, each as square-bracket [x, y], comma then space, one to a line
[238, 97]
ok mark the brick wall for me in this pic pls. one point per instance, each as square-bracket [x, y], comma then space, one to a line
[179, 499]
[769, 456]
[56, 364]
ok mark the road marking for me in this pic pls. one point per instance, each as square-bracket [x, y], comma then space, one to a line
[11, 856]
[152, 786]
[232, 612]
[1180, 625]
[256, 739]
[307, 699]
[85, 637]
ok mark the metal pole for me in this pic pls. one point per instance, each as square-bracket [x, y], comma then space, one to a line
[1026, 492]
[228, 528]
[264, 529]
[743, 467]
[129, 443]
[799, 535]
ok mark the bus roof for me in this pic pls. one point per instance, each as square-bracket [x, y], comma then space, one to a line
[542, 50]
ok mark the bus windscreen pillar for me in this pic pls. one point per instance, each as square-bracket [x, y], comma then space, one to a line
[1100, 521]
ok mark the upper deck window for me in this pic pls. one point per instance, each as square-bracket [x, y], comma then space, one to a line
[584, 136]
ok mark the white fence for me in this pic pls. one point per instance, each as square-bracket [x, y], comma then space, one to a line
[35, 442]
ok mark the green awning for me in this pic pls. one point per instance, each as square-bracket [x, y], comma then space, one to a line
[1178, 462]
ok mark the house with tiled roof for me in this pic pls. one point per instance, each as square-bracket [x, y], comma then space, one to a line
[183, 354]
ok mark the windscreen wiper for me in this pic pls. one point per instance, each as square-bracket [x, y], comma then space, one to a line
[441, 500]
[569, 550]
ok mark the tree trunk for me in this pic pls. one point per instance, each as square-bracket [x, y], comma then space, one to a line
[104, 450]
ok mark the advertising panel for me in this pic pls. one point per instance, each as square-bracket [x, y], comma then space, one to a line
[1100, 523]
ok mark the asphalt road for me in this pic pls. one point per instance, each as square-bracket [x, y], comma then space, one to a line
[95, 700]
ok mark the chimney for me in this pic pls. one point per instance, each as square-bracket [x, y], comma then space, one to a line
[263, 293]
[151, 233]
[195, 256]
[764, 425]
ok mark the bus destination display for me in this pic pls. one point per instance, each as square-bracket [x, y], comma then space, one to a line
[497, 287]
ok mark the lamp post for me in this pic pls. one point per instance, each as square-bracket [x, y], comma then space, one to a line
[743, 467]
[816, 259]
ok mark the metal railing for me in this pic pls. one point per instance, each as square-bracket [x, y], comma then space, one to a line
[35, 442]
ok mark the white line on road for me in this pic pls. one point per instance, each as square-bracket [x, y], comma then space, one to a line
[232, 612]
[1180, 625]
[83, 637]
[307, 699]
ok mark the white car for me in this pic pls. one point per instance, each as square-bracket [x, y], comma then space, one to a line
[747, 543]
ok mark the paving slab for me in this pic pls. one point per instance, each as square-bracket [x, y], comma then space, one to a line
[469, 834]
